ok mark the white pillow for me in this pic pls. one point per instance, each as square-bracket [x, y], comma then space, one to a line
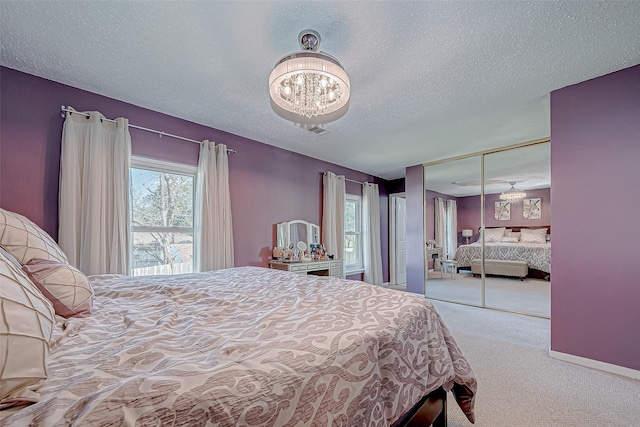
[510, 239]
[23, 239]
[538, 235]
[25, 332]
[494, 234]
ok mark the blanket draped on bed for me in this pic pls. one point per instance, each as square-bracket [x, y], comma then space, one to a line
[246, 346]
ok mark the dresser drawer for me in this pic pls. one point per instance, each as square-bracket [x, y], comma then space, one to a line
[336, 264]
[298, 268]
[318, 265]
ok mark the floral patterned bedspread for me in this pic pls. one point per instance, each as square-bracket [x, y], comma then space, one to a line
[246, 346]
[537, 255]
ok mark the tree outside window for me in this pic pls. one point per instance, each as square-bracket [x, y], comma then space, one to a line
[161, 207]
[352, 233]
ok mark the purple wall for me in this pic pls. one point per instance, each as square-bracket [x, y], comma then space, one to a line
[469, 216]
[414, 190]
[595, 179]
[263, 193]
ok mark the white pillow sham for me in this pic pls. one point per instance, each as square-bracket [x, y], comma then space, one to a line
[538, 235]
[493, 234]
[25, 240]
[25, 331]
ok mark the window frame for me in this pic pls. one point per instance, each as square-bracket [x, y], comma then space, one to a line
[359, 266]
[155, 165]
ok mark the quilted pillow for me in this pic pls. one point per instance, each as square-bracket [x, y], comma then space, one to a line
[23, 239]
[25, 330]
[494, 234]
[10, 258]
[538, 235]
[63, 284]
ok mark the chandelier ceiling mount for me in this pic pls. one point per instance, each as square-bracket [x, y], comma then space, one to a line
[513, 195]
[309, 83]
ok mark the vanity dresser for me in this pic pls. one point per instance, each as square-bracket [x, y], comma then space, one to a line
[298, 236]
[329, 267]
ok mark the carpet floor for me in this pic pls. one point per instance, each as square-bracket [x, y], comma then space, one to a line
[532, 296]
[520, 385]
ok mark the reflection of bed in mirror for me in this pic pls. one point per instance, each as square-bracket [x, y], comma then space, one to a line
[534, 248]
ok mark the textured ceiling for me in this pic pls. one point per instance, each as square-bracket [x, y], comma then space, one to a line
[430, 80]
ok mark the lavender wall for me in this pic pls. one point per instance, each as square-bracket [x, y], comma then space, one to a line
[469, 216]
[263, 192]
[414, 190]
[595, 176]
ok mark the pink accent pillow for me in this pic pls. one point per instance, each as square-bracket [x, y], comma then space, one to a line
[64, 285]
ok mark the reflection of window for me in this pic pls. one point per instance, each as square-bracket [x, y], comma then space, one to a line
[353, 233]
[161, 209]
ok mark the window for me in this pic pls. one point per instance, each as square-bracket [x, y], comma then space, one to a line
[161, 209]
[353, 234]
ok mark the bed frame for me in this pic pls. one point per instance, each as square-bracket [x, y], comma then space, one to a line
[431, 410]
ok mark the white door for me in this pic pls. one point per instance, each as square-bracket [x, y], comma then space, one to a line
[401, 240]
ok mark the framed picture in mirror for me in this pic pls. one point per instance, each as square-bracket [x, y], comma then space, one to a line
[503, 211]
[532, 208]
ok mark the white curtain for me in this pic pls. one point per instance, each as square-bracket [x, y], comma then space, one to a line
[452, 229]
[213, 208]
[333, 197]
[440, 223]
[94, 185]
[372, 254]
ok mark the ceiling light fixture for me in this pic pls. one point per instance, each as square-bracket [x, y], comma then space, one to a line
[309, 83]
[513, 195]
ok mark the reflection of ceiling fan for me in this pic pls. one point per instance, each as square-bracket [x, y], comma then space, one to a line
[476, 182]
[513, 195]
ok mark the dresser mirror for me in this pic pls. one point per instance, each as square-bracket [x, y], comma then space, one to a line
[295, 231]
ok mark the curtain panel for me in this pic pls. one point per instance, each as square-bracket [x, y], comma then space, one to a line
[333, 200]
[213, 211]
[372, 254]
[94, 187]
[440, 224]
[452, 229]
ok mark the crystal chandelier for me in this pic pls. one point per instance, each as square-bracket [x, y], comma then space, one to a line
[309, 83]
[513, 195]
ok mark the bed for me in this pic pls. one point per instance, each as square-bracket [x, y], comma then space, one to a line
[536, 253]
[247, 346]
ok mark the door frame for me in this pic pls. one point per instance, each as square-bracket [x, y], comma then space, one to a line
[392, 235]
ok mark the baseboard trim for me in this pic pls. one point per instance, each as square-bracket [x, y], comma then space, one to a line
[596, 364]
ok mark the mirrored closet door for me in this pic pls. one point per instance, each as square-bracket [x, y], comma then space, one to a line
[452, 219]
[487, 229]
[517, 221]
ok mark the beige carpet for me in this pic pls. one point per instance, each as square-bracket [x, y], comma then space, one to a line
[520, 385]
[531, 296]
